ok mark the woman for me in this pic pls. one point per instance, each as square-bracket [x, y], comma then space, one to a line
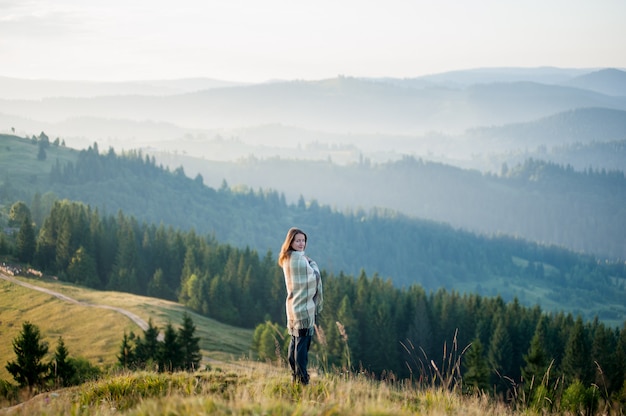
[304, 300]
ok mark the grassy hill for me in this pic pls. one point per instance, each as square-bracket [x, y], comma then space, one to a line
[96, 334]
[381, 242]
[234, 386]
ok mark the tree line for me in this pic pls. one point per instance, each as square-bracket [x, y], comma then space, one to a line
[406, 249]
[176, 350]
[368, 323]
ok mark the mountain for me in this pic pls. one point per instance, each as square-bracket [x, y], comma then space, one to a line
[37, 89]
[608, 81]
[382, 241]
[579, 126]
[477, 119]
[535, 200]
[541, 75]
[339, 105]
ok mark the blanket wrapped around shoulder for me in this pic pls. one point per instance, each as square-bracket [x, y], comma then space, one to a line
[304, 292]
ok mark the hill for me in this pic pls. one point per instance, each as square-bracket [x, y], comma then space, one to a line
[583, 126]
[95, 333]
[338, 105]
[609, 81]
[406, 249]
[534, 200]
[36, 89]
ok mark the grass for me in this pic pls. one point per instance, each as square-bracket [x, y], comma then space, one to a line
[95, 333]
[231, 384]
[18, 158]
[88, 332]
[250, 388]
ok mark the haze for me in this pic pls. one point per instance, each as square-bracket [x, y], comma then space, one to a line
[251, 41]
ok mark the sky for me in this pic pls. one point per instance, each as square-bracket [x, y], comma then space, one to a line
[261, 40]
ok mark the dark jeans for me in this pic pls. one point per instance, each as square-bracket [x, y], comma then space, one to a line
[298, 357]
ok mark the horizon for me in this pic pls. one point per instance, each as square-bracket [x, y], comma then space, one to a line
[277, 80]
[249, 42]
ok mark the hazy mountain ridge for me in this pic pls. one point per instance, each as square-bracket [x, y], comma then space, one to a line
[535, 201]
[314, 108]
[37, 89]
[337, 105]
[609, 81]
[379, 119]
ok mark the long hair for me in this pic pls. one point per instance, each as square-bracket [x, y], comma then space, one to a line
[285, 250]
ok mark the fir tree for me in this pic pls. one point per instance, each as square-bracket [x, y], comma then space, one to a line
[189, 343]
[499, 355]
[536, 368]
[28, 369]
[476, 375]
[127, 357]
[61, 366]
[25, 241]
[169, 354]
[147, 348]
[576, 361]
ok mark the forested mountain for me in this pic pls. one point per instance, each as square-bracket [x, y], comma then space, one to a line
[406, 250]
[507, 345]
[535, 200]
[586, 125]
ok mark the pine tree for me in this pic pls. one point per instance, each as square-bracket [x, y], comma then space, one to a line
[61, 366]
[147, 348]
[535, 371]
[577, 363]
[169, 353]
[349, 331]
[476, 374]
[127, 357]
[25, 242]
[618, 372]
[82, 269]
[499, 355]
[28, 369]
[189, 343]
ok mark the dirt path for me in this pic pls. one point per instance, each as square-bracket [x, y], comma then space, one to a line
[136, 319]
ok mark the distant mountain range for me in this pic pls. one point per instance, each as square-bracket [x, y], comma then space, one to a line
[608, 81]
[476, 118]
[37, 89]
[337, 105]
[488, 120]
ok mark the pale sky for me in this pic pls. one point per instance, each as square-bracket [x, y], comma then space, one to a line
[259, 40]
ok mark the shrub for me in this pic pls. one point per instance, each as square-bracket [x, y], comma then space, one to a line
[580, 400]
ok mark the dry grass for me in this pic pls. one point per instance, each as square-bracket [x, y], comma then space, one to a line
[247, 388]
[95, 333]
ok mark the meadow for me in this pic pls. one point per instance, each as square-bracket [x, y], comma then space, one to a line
[230, 381]
[248, 388]
[96, 334]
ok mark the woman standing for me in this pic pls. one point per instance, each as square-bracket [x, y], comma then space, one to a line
[304, 300]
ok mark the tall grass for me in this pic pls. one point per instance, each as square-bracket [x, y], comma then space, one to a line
[253, 388]
[249, 388]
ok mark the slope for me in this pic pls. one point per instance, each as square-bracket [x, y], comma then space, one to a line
[405, 249]
[92, 328]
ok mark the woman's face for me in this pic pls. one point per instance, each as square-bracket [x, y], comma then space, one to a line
[299, 242]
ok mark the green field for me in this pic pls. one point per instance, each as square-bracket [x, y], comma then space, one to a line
[95, 333]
